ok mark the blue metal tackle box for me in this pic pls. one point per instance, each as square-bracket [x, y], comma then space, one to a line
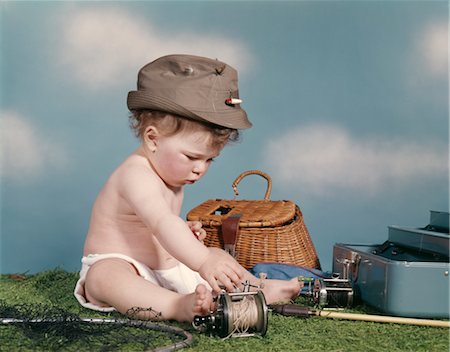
[408, 275]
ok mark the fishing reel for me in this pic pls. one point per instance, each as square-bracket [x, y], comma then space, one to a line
[238, 314]
[329, 293]
[333, 293]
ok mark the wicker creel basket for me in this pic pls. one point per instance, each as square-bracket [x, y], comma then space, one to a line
[256, 231]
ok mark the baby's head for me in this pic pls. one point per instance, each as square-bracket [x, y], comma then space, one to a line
[185, 92]
[169, 125]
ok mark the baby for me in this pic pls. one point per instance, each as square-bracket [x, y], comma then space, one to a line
[138, 251]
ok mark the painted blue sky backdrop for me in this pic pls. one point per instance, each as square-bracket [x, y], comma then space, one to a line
[349, 101]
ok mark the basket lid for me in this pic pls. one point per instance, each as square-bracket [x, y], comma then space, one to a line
[255, 213]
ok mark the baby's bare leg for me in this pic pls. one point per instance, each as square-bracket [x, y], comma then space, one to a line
[277, 290]
[115, 283]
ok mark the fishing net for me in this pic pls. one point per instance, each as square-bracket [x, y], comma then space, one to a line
[48, 328]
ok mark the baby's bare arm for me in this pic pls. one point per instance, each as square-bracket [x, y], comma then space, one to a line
[217, 267]
[148, 196]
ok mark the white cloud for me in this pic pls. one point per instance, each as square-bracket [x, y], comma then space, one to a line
[433, 46]
[25, 153]
[324, 159]
[101, 48]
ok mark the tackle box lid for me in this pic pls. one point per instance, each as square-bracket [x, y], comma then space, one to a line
[432, 238]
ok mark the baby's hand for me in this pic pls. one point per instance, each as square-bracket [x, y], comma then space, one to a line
[220, 268]
[197, 230]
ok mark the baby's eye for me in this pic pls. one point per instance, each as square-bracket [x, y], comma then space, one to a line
[190, 157]
[210, 160]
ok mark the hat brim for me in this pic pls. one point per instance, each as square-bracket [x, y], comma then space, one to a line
[234, 117]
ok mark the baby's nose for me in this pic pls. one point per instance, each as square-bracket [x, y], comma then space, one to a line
[199, 167]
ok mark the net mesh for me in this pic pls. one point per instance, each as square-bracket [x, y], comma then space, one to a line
[41, 327]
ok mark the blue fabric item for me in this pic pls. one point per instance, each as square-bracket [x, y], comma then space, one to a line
[280, 271]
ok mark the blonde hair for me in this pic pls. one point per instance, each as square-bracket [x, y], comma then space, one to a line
[169, 125]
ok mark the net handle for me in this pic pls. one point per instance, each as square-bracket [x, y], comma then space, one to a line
[253, 172]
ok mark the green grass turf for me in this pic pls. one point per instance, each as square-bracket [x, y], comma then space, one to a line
[54, 288]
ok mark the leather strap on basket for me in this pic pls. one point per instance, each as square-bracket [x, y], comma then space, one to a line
[230, 228]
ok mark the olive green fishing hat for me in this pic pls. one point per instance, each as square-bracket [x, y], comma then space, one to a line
[189, 86]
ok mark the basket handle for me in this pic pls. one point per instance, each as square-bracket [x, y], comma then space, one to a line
[253, 172]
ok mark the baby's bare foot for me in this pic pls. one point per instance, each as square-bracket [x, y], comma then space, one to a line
[281, 290]
[197, 303]
[203, 300]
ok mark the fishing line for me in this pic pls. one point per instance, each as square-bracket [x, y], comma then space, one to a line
[244, 315]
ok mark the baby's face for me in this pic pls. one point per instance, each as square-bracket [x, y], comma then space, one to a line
[184, 157]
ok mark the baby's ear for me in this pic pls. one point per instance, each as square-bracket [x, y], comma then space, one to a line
[150, 137]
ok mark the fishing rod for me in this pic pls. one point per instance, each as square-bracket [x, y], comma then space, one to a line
[306, 312]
